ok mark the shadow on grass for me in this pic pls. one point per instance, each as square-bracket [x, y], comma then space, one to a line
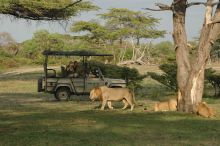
[109, 128]
[45, 97]
[27, 122]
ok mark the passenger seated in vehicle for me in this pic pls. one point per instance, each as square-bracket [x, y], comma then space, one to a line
[72, 69]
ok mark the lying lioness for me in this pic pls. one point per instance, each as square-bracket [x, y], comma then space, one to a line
[170, 105]
[106, 95]
[205, 111]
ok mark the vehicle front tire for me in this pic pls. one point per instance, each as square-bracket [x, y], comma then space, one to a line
[62, 94]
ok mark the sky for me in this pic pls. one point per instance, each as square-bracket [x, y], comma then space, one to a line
[22, 30]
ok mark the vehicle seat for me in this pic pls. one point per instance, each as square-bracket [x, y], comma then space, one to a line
[63, 71]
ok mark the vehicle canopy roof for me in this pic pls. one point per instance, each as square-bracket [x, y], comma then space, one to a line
[73, 53]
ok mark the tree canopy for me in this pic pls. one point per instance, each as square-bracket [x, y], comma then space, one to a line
[137, 24]
[44, 9]
[119, 24]
[95, 31]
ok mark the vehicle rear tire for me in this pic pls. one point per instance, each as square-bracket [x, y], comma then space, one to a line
[62, 94]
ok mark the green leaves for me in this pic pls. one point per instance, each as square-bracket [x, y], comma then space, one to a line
[168, 77]
[95, 30]
[132, 24]
[120, 24]
[45, 9]
[214, 79]
[113, 71]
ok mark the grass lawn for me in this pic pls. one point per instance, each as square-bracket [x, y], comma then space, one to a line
[28, 118]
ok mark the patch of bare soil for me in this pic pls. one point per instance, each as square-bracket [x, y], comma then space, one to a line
[143, 69]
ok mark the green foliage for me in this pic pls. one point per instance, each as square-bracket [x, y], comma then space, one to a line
[162, 52]
[44, 9]
[127, 23]
[214, 79]
[132, 75]
[96, 31]
[120, 24]
[215, 51]
[168, 77]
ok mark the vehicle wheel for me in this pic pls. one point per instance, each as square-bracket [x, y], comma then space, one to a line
[62, 94]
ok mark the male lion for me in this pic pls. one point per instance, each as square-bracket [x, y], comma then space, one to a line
[170, 105]
[106, 95]
[205, 111]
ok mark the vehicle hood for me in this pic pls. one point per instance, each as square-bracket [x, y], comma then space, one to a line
[110, 81]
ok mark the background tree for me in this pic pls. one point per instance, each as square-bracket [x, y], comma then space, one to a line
[94, 31]
[190, 73]
[44, 9]
[122, 24]
[127, 23]
[6, 38]
[8, 44]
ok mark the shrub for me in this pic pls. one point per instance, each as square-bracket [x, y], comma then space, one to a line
[131, 75]
[168, 78]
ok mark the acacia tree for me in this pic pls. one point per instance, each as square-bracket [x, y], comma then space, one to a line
[44, 9]
[190, 73]
[95, 31]
[127, 23]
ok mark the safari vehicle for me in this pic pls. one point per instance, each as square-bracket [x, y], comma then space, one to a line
[63, 85]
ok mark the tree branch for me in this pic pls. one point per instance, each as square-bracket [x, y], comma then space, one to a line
[21, 11]
[195, 3]
[70, 5]
[202, 3]
[162, 7]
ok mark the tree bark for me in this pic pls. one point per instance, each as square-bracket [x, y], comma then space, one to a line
[190, 74]
[182, 53]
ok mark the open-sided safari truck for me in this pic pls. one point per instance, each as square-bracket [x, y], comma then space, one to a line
[65, 84]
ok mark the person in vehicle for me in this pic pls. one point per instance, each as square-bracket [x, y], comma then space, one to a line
[72, 68]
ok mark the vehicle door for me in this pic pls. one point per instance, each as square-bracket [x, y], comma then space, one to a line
[78, 85]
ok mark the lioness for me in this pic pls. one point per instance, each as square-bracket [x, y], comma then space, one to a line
[106, 95]
[205, 111]
[170, 105]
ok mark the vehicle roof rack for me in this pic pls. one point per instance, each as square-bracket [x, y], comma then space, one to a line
[73, 53]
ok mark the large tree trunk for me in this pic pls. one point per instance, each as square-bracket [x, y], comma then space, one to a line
[182, 53]
[190, 75]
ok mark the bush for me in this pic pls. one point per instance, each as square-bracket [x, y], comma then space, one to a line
[214, 79]
[131, 75]
[168, 78]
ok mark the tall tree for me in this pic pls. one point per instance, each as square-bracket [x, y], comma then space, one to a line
[127, 23]
[44, 9]
[190, 73]
[96, 32]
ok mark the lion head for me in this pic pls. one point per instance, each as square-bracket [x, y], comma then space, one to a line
[95, 93]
